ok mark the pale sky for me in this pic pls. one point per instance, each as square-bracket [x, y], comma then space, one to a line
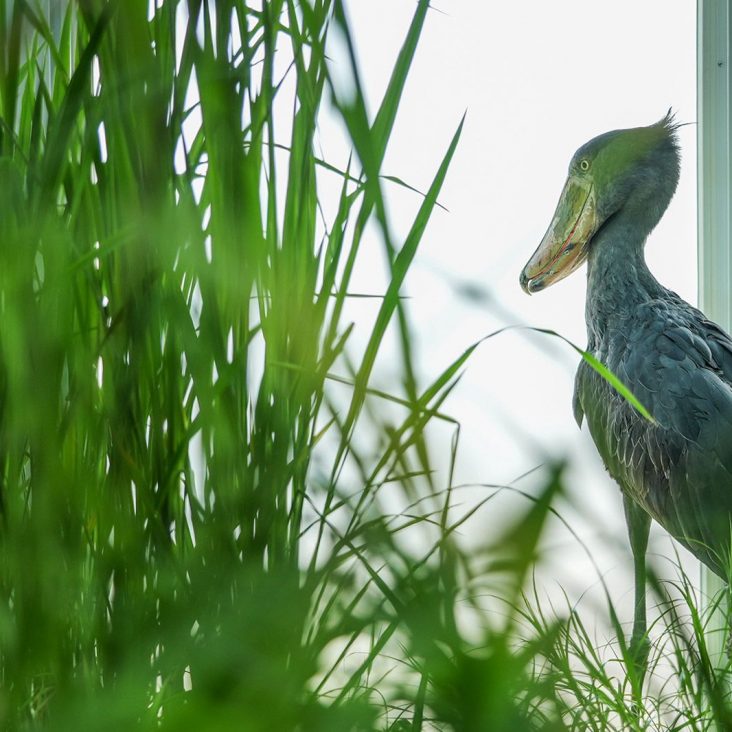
[537, 79]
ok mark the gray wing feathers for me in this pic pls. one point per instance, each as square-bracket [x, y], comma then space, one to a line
[679, 469]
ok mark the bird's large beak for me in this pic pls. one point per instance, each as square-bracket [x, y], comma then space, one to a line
[564, 246]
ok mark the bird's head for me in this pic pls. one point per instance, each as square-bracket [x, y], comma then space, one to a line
[624, 170]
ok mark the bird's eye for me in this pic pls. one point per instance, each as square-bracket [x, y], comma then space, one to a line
[584, 165]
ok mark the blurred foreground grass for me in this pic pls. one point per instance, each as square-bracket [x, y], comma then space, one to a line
[192, 531]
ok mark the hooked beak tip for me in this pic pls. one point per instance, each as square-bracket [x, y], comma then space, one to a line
[530, 285]
[524, 282]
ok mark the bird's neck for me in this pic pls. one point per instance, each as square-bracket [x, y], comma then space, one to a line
[618, 279]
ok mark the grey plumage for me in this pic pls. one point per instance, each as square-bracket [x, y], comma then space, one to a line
[676, 468]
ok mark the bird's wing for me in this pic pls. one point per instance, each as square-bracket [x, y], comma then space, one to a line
[718, 341]
[720, 345]
[683, 462]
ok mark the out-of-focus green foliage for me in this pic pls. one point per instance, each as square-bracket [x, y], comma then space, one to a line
[191, 527]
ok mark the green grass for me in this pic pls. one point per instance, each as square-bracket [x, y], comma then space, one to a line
[198, 473]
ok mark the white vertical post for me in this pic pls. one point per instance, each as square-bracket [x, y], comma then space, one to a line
[714, 201]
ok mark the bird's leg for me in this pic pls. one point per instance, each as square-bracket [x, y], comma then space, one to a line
[639, 525]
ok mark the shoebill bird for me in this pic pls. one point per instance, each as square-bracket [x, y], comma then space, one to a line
[677, 467]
